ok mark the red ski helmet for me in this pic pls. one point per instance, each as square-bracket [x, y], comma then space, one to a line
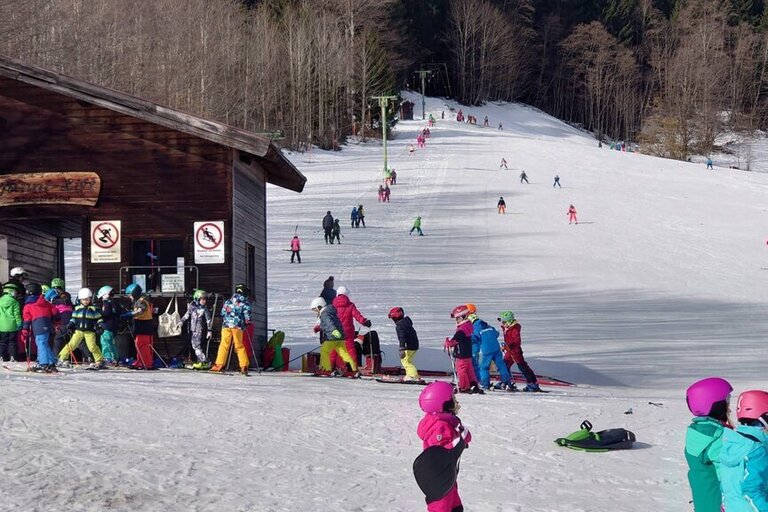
[752, 405]
[703, 395]
[396, 313]
[460, 311]
[435, 395]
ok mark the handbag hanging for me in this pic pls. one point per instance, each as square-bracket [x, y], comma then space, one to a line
[170, 323]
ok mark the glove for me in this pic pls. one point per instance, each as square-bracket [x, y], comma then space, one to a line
[24, 334]
[209, 336]
[402, 353]
[449, 344]
[316, 328]
[367, 323]
[466, 435]
[99, 330]
[126, 314]
[336, 334]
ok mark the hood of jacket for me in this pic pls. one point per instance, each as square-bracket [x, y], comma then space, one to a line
[736, 446]
[432, 420]
[341, 301]
[701, 433]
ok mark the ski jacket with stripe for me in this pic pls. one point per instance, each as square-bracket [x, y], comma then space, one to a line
[236, 312]
[38, 315]
[86, 318]
[486, 335]
[199, 318]
[406, 334]
[703, 441]
[10, 314]
[348, 313]
[744, 469]
[330, 325]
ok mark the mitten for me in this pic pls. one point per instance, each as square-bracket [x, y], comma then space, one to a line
[316, 328]
[466, 435]
[367, 323]
[336, 334]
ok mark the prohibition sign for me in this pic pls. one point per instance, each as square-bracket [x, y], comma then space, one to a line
[105, 235]
[209, 236]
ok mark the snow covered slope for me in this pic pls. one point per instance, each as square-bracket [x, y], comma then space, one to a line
[660, 283]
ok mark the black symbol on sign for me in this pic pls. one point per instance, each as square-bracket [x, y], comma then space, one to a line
[208, 235]
[106, 235]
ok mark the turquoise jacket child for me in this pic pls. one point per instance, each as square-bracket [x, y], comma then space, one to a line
[702, 451]
[744, 469]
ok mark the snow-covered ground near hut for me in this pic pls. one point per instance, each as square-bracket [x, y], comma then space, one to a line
[660, 283]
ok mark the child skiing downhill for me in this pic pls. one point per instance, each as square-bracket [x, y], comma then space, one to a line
[143, 330]
[37, 318]
[523, 177]
[416, 227]
[110, 314]
[744, 456]
[408, 340]
[332, 335]
[707, 400]
[336, 232]
[557, 182]
[295, 248]
[361, 214]
[86, 323]
[354, 221]
[488, 338]
[440, 428]
[461, 347]
[572, 215]
[503, 164]
[236, 316]
[501, 206]
[513, 350]
[10, 321]
[200, 323]
[347, 313]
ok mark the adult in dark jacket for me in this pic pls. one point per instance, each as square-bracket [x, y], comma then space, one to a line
[336, 232]
[409, 342]
[328, 227]
[329, 292]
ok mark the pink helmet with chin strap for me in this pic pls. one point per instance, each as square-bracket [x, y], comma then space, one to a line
[435, 395]
[702, 395]
[752, 405]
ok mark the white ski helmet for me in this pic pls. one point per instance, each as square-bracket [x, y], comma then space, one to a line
[84, 293]
[17, 272]
[317, 303]
[104, 291]
[342, 290]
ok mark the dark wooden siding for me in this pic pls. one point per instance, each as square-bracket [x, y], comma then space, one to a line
[30, 245]
[249, 226]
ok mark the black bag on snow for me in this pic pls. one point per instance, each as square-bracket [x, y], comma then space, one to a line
[603, 441]
[371, 345]
[436, 470]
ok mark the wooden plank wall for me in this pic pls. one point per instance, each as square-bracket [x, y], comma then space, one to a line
[32, 247]
[249, 225]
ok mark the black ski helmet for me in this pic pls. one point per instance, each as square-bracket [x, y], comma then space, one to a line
[242, 289]
[34, 289]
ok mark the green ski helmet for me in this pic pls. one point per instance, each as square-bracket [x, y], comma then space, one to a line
[199, 294]
[506, 317]
[57, 282]
[45, 288]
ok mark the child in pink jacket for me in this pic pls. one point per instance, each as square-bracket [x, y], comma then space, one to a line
[441, 427]
[461, 346]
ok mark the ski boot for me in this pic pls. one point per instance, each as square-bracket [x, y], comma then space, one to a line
[50, 368]
[532, 388]
[201, 365]
[218, 368]
[63, 364]
[474, 388]
[244, 370]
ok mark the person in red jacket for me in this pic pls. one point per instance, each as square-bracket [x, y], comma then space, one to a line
[513, 353]
[572, 215]
[38, 322]
[295, 248]
[348, 313]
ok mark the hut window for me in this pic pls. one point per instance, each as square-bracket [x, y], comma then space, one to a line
[250, 266]
[154, 257]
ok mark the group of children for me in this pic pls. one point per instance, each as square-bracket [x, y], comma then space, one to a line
[728, 464]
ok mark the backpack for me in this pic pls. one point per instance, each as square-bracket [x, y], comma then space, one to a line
[586, 440]
[436, 469]
[371, 346]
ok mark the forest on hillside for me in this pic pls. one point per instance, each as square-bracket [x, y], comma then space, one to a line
[671, 74]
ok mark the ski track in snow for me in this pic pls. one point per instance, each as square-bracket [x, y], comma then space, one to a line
[658, 285]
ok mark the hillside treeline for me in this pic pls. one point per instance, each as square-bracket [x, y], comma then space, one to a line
[672, 74]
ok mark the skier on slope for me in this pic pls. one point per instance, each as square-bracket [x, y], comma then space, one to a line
[336, 232]
[328, 227]
[513, 350]
[572, 215]
[441, 427]
[416, 227]
[64, 307]
[361, 214]
[503, 163]
[488, 338]
[408, 341]
[348, 313]
[501, 206]
[523, 177]
[200, 324]
[708, 401]
[460, 346]
[353, 217]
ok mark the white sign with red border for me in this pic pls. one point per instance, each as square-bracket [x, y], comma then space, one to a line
[105, 241]
[209, 242]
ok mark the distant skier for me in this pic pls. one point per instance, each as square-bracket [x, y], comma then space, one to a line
[411, 150]
[557, 181]
[501, 128]
[295, 248]
[572, 215]
[503, 163]
[328, 227]
[329, 291]
[513, 350]
[502, 206]
[485, 122]
[354, 218]
[361, 214]
[37, 325]
[440, 427]
[381, 193]
[336, 232]
[460, 346]
[394, 177]
[416, 227]
[523, 177]
[408, 340]
[709, 164]
[387, 191]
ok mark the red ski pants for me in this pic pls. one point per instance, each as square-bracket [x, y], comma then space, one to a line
[144, 357]
[466, 373]
[449, 503]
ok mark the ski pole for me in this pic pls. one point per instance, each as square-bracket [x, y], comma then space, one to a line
[158, 355]
[26, 347]
[305, 353]
[210, 327]
[253, 349]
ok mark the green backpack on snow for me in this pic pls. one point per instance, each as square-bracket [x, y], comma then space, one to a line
[586, 440]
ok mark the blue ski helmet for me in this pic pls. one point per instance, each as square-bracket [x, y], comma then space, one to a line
[134, 290]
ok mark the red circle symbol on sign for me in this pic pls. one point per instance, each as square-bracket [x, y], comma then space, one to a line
[209, 236]
[105, 235]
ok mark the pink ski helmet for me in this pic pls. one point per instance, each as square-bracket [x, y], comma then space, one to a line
[702, 395]
[435, 395]
[752, 405]
[460, 311]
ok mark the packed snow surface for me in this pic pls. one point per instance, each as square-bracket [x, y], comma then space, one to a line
[660, 283]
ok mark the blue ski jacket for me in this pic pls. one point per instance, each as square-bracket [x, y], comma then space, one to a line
[744, 469]
[485, 336]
